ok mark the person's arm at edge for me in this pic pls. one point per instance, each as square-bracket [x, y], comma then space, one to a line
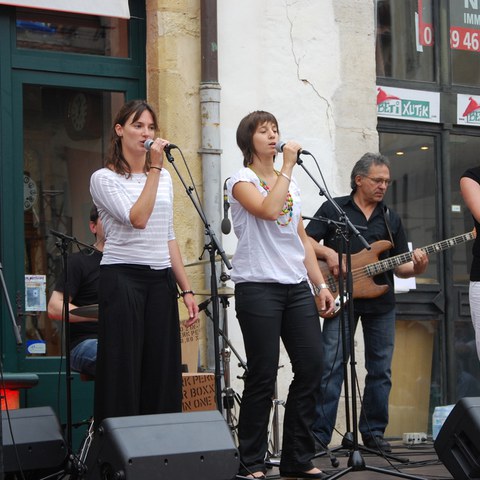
[55, 309]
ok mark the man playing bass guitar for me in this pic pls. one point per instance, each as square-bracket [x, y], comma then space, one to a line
[364, 207]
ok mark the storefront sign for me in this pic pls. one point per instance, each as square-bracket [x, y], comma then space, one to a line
[465, 25]
[408, 104]
[104, 8]
[468, 110]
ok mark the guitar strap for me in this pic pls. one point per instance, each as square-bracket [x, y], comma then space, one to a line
[386, 217]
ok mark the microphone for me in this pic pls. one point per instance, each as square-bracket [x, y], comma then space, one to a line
[279, 148]
[149, 142]
[226, 225]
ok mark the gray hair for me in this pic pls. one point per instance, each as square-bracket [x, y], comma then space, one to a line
[363, 165]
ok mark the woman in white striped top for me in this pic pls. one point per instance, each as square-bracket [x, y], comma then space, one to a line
[139, 354]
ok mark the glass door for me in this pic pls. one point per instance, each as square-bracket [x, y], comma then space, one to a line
[420, 306]
[65, 137]
[463, 365]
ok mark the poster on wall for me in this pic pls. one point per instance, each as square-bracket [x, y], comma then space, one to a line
[465, 25]
[468, 110]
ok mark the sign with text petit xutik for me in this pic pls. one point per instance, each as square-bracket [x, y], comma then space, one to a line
[406, 104]
[468, 110]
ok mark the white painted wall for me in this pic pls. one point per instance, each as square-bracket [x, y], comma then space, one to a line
[312, 64]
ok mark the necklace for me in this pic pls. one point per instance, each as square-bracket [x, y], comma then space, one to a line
[287, 209]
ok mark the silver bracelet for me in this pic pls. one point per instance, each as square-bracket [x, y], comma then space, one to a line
[319, 287]
[286, 176]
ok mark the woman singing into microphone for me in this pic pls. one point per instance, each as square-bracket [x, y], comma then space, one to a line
[271, 267]
[139, 356]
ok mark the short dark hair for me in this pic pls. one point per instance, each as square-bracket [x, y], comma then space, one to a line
[94, 214]
[246, 128]
[363, 165]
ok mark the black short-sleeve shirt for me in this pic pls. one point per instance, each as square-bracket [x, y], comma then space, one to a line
[376, 229]
[83, 271]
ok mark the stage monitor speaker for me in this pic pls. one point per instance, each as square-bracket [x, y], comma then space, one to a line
[35, 436]
[458, 441]
[165, 446]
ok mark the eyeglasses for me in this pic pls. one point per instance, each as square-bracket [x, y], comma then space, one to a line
[379, 181]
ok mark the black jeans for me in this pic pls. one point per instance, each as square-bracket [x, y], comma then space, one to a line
[267, 312]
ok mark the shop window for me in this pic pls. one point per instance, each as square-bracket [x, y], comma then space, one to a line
[465, 42]
[63, 32]
[405, 40]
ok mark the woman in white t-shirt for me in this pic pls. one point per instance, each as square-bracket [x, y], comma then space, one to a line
[139, 351]
[272, 267]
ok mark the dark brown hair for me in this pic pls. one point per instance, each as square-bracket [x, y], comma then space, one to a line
[115, 160]
[246, 128]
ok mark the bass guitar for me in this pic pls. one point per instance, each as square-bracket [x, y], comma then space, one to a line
[365, 266]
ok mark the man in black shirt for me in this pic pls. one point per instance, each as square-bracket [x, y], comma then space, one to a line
[83, 273]
[364, 207]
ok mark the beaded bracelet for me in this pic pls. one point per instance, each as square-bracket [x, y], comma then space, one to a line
[185, 292]
[156, 168]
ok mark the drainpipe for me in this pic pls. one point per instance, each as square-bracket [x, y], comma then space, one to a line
[210, 149]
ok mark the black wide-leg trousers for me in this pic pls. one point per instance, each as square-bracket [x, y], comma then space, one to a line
[139, 351]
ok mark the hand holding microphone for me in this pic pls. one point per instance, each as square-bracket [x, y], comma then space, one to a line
[280, 145]
[165, 146]
[291, 152]
[149, 142]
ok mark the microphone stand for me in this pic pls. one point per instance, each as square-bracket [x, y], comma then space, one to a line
[16, 328]
[63, 243]
[356, 461]
[18, 339]
[212, 247]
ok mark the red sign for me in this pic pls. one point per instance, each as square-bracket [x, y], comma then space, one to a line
[462, 38]
[425, 27]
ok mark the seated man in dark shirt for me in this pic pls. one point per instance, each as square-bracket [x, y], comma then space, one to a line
[83, 273]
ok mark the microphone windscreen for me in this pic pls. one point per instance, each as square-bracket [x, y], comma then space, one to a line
[148, 143]
[226, 226]
[279, 146]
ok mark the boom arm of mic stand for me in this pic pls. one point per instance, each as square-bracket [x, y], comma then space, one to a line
[341, 213]
[216, 245]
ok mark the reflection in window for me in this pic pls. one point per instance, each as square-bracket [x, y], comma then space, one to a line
[63, 32]
[412, 161]
[404, 40]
